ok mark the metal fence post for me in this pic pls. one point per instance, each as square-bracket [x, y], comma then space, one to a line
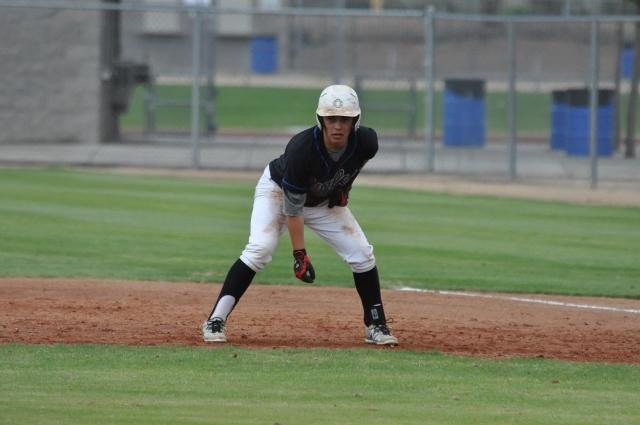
[340, 43]
[110, 51]
[429, 141]
[595, 75]
[511, 104]
[210, 31]
[195, 87]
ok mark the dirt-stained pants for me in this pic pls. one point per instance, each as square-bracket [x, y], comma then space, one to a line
[337, 226]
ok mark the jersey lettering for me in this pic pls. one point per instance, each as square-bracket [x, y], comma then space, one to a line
[340, 179]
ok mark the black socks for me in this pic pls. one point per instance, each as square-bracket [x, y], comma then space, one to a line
[368, 287]
[236, 283]
[367, 284]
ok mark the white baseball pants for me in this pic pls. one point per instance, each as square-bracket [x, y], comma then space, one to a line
[337, 226]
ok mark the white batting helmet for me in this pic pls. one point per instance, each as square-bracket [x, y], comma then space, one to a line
[338, 100]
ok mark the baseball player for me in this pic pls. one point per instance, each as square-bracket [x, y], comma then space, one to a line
[309, 186]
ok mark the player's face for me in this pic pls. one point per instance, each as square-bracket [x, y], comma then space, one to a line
[336, 131]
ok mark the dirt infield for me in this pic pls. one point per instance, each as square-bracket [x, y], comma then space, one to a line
[142, 313]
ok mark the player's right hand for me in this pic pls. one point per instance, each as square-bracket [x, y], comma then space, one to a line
[302, 266]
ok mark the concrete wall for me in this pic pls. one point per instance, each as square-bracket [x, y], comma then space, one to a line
[49, 75]
[554, 52]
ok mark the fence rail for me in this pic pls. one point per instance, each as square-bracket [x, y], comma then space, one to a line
[213, 9]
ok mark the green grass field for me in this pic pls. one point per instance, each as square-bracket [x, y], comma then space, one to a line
[273, 109]
[165, 385]
[56, 222]
[69, 223]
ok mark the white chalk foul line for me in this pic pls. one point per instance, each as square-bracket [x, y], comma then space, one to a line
[523, 300]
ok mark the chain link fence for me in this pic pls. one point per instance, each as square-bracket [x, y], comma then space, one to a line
[453, 88]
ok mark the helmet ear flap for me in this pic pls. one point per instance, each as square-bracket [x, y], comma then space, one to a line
[319, 121]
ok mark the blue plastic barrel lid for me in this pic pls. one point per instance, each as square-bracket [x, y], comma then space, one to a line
[264, 54]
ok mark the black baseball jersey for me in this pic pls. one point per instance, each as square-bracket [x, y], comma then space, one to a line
[306, 166]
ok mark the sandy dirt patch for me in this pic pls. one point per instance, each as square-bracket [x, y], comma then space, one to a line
[44, 311]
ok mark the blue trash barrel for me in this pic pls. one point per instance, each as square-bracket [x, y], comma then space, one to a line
[626, 61]
[464, 113]
[264, 55]
[559, 100]
[579, 122]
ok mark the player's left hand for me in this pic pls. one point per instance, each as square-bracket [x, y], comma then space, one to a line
[302, 266]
